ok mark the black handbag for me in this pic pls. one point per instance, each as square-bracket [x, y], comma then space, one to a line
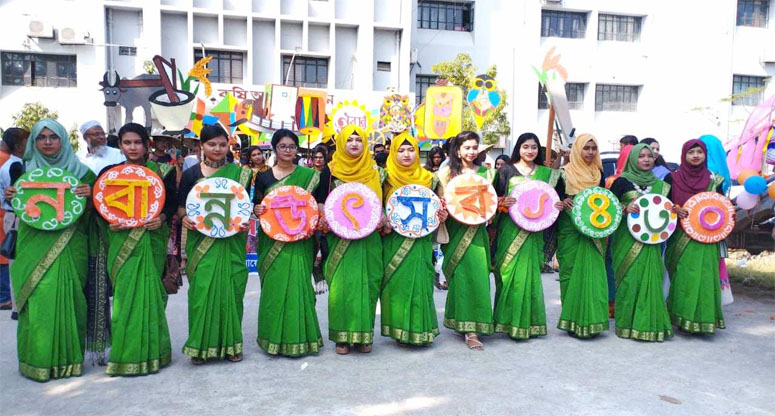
[8, 248]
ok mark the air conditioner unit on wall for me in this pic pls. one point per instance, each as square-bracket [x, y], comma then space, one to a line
[40, 29]
[72, 36]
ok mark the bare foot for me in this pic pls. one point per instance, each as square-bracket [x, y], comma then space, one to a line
[234, 358]
[472, 341]
[342, 349]
[364, 348]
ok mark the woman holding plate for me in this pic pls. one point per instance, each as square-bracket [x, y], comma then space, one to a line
[519, 296]
[408, 310]
[287, 321]
[640, 310]
[49, 274]
[353, 269]
[216, 266]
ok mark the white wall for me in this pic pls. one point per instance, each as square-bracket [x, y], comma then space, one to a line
[263, 47]
[174, 32]
[385, 51]
[346, 45]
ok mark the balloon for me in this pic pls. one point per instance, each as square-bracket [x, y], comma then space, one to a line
[746, 200]
[755, 185]
[745, 174]
[771, 190]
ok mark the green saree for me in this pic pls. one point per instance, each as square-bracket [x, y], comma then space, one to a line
[467, 269]
[287, 321]
[353, 271]
[694, 303]
[519, 295]
[140, 338]
[48, 276]
[640, 310]
[217, 277]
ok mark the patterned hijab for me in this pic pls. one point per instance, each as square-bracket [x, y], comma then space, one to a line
[64, 159]
[689, 180]
[631, 171]
[578, 174]
[361, 168]
[400, 175]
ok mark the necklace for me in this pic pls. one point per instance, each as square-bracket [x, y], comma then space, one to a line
[529, 173]
[642, 191]
[214, 165]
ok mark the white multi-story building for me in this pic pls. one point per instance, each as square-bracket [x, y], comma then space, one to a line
[650, 68]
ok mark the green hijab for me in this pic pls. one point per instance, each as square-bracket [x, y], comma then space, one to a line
[65, 159]
[631, 171]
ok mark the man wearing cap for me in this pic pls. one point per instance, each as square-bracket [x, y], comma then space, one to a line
[100, 155]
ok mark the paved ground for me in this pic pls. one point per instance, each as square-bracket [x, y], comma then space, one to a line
[732, 372]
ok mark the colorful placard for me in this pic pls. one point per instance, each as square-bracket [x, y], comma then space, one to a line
[443, 112]
[45, 199]
[412, 211]
[219, 207]
[470, 199]
[130, 195]
[711, 217]
[353, 211]
[596, 212]
[291, 214]
[655, 222]
[534, 208]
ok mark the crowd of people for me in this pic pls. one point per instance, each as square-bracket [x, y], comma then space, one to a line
[63, 280]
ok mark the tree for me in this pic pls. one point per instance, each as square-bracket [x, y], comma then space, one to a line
[31, 113]
[462, 72]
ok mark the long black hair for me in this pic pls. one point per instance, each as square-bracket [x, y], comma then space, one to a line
[539, 160]
[433, 152]
[455, 163]
[659, 161]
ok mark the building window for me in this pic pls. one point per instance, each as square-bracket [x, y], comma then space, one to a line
[440, 15]
[563, 24]
[383, 66]
[422, 82]
[620, 28]
[38, 70]
[127, 51]
[307, 72]
[753, 12]
[226, 65]
[753, 86]
[573, 90]
[616, 97]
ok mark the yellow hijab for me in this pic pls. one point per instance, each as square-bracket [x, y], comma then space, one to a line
[400, 175]
[360, 168]
[578, 174]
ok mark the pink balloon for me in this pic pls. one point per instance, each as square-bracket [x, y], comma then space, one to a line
[747, 200]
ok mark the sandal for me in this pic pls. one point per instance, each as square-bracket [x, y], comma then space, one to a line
[342, 349]
[472, 341]
[444, 286]
[197, 361]
[364, 348]
[234, 358]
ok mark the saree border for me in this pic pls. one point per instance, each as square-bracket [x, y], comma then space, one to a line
[650, 336]
[396, 260]
[46, 374]
[409, 337]
[127, 247]
[215, 352]
[351, 337]
[40, 270]
[460, 250]
[697, 327]
[135, 369]
[521, 333]
[582, 331]
[512, 250]
[334, 258]
[483, 328]
[290, 350]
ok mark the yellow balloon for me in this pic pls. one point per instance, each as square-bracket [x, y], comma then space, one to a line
[745, 174]
[771, 190]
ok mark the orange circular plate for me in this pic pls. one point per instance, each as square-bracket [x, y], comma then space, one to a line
[291, 214]
[470, 199]
[711, 217]
[129, 194]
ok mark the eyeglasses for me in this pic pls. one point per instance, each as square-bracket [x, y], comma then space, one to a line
[51, 139]
[287, 147]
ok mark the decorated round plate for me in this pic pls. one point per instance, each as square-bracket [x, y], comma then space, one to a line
[470, 199]
[352, 210]
[45, 199]
[219, 207]
[655, 222]
[711, 217]
[596, 212]
[534, 210]
[130, 195]
[412, 209]
[291, 214]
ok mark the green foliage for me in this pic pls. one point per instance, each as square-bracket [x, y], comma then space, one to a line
[31, 113]
[461, 72]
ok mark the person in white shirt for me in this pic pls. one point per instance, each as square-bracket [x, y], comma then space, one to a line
[192, 143]
[100, 155]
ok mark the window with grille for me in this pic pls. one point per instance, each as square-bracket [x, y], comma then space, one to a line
[422, 82]
[748, 84]
[226, 65]
[616, 97]
[440, 15]
[39, 70]
[753, 12]
[573, 90]
[383, 66]
[127, 51]
[562, 24]
[619, 28]
[306, 72]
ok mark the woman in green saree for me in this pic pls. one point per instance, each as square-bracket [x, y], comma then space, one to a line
[639, 310]
[519, 296]
[353, 269]
[287, 321]
[408, 311]
[50, 269]
[140, 338]
[694, 303]
[216, 266]
[583, 279]
[467, 254]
